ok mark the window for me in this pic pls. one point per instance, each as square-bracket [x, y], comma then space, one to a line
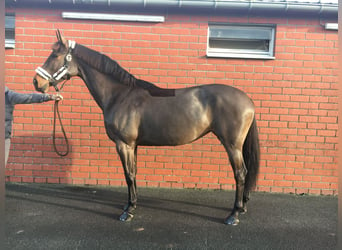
[241, 41]
[9, 31]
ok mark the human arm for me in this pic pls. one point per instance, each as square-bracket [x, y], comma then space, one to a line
[21, 98]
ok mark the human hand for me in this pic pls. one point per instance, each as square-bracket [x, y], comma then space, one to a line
[57, 97]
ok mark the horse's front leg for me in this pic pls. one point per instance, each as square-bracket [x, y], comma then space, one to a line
[128, 157]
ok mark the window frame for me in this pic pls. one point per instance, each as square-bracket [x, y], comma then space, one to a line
[241, 53]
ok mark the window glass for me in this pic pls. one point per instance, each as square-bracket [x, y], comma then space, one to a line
[9, 30]
[237, 40]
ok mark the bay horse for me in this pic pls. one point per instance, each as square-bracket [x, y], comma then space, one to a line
[137, 112]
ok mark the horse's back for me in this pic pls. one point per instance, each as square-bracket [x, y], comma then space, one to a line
[225, 98]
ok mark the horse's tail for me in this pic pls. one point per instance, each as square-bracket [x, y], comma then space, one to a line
[251, 155]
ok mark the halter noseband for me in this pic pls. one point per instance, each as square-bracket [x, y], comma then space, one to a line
[61, 72]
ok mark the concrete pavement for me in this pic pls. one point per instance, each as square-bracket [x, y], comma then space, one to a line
[44, 216]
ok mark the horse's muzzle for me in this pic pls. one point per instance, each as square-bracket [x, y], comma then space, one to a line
[39, 89]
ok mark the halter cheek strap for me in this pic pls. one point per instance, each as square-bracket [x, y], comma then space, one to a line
[62, 71]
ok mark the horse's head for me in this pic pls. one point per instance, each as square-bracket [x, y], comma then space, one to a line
[59, 66]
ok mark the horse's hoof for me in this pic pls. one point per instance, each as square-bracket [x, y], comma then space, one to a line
[126, 216]
[231, 220]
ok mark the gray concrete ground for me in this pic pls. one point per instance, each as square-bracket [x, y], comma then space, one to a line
[71, 217]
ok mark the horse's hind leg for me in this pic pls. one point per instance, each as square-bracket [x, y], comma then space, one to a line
[128, 157]
[240, 171]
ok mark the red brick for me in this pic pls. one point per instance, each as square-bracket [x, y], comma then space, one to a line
[284, 183]
[79, 175]
[302, 184]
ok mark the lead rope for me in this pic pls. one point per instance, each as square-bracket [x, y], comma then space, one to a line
[55, 114]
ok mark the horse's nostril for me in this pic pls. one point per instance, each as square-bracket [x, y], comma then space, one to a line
[35, 83]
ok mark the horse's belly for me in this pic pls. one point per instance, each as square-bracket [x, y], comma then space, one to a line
[165, 140]
[173, 131]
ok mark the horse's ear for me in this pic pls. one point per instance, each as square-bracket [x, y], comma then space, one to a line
[58, 35]
[60, 38]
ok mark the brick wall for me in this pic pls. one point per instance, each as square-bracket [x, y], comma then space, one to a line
[295, 96]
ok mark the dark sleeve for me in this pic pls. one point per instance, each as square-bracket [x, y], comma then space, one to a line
[19, 98]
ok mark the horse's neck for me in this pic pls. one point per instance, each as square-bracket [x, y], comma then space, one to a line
[103, 88]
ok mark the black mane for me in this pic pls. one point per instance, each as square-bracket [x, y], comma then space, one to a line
[106, 65]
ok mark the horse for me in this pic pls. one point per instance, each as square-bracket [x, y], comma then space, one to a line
[139, 113]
